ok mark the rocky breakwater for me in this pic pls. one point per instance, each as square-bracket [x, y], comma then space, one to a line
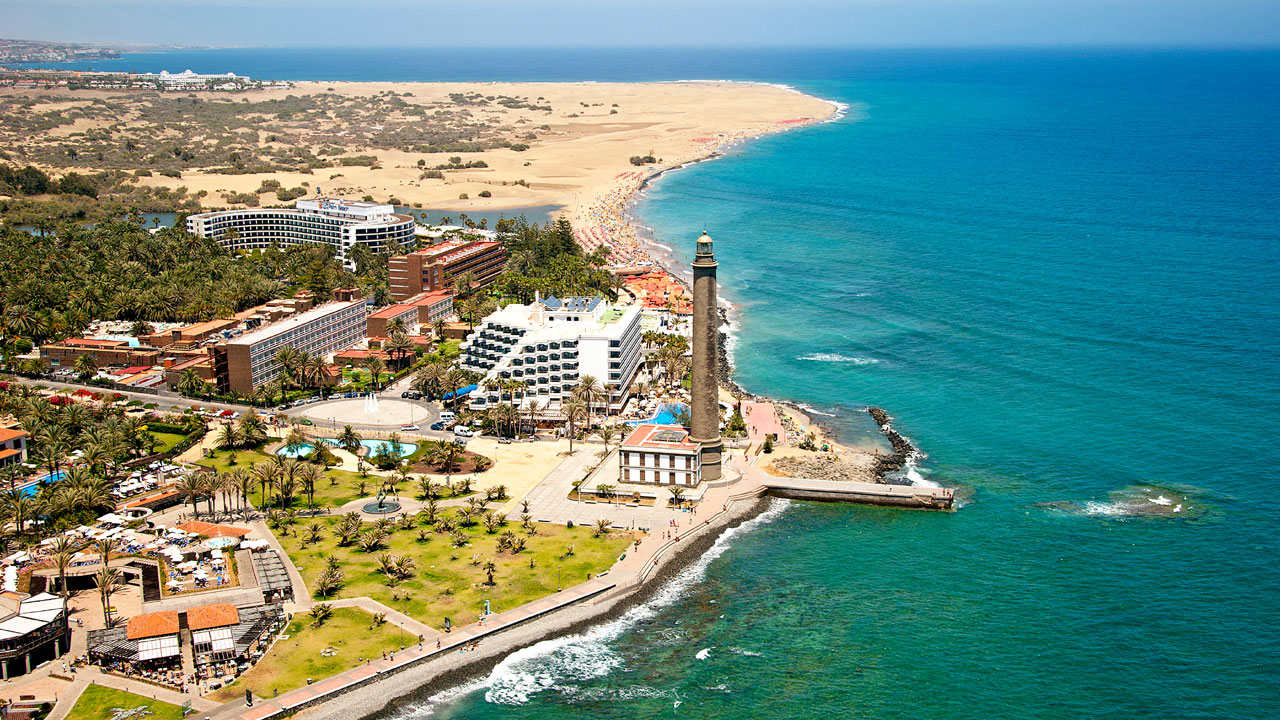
[903, 450]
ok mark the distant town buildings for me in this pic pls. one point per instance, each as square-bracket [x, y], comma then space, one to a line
[338, 225]
[661, 455]
[549, 344]
[439, 266]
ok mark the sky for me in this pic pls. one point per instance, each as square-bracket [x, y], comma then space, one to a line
[647, 23]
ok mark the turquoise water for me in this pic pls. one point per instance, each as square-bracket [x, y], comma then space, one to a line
[296, 451]
[664, 416]
[1062, 276]
[33, 488]
[1060, 271]
[373, 447]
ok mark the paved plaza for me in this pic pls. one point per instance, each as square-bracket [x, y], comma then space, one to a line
[391, 413]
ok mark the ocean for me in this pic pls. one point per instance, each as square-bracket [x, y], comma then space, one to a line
[1060, 272]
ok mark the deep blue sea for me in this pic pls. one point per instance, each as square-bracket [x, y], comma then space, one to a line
[1060, 272]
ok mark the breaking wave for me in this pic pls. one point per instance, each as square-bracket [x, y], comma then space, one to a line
[838, 358]
[562, 663]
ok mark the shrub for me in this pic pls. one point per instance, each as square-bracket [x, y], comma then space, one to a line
[485, 193]
[463, 196]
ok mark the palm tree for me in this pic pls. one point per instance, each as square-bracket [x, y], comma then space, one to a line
[399, 347]
[349, 439]
[85, 366]
[606, 434]
[308, 475]
[244, 480]
[590, 392]
[63, 553]
[108, 579]
[287, 358]
[190, 383]
[266, 474]
[314, 370]
[376, 367]
[574, 410]
[190, 487]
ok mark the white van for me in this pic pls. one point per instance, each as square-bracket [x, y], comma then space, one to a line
[447, 417]
[462, 431]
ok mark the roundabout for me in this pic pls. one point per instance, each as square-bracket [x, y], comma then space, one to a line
[384, 413]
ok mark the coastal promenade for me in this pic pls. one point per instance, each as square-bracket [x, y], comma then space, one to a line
[434, 645]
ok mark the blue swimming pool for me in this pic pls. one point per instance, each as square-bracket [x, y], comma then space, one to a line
[33, 488]
[665, 415]
[371, 448]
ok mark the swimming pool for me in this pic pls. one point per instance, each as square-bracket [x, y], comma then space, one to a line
[371, 448]
[32, 488]
[665, 415]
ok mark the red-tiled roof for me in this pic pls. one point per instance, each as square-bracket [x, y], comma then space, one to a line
[6, 434]
[9, 453]
[152, 625]
[660, 437]
[392, 311]
[211, 616]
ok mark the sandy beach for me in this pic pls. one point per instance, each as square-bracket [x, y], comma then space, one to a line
[575, 140]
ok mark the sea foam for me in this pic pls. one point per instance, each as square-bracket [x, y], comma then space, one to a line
[838, 358]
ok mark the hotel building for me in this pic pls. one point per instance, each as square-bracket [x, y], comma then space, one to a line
[439, 266]
[661, 455]
[32, 631]
[550, 344]
[13, 446]
[339, 225]
[251, 357]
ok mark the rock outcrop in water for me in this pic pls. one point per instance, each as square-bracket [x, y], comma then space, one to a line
[902, 448]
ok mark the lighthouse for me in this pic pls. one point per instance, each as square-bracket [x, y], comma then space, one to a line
[705, 411]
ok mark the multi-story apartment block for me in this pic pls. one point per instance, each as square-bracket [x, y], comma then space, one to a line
[251, 357]
[338, 225]
[439, 266]
[550, 344]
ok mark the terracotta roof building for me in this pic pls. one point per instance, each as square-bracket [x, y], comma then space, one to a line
[13, 447]
[151, 625]
[661, 455]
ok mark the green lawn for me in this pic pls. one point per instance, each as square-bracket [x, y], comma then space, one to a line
[292, 660]
[449, 581]
[167, 441]
[97, 703]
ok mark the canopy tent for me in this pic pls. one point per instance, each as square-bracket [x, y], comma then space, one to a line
[459, 392]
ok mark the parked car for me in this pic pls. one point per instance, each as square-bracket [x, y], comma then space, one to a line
[462, 431]
[409, 427]
[437, 426]
[504, 441]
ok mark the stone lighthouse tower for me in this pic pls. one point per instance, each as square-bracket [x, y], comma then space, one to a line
[705, 411]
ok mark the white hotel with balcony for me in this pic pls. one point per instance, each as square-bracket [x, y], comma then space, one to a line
[336, 224]
[551, 343]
